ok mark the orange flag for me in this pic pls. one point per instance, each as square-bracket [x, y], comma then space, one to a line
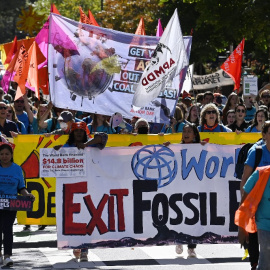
[54, 9]
[140, 30]
[29, 71]
[12, 51]
[232, 66]
[84, 18]
[43, 80]
[92, 19]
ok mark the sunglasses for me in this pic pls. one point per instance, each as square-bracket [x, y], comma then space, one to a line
[265, 96]
[19, 101]
[209, 112]
[1, 108]
[242, 111]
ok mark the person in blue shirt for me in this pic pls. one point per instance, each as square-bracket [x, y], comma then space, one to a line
[260, 117]
[177, 123]
[210, 120]
[11, 183]
[100, 124]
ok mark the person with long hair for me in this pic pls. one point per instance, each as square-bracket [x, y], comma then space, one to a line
[190, 134]
[177, 123]
[210, 120]
[231, 103]
[100, 124]
[194, 114]
[11, 183]
[230, 117]
[259, 119]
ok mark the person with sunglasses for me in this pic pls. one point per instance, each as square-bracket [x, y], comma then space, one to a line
[23, 112]
[6, 126]
[210, 120]
[239, 125]
[11, 115]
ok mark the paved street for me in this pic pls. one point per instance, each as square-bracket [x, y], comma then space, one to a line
[37, 250]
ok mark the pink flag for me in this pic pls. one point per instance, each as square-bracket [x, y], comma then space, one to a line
[232, 66]
[159, 29]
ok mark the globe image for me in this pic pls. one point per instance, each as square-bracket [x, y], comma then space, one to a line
[155, 162]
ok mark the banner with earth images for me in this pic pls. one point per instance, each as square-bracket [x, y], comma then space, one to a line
[95, 70]
[150, 195]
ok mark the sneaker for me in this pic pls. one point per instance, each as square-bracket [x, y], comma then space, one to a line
[84, 257]
[77, 253]
[8, 262]
[179, 249]
[26, 228]
[41, 227]
[192, 253]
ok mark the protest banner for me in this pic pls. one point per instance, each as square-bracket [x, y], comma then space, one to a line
[94, 69]
[27, 155]
[15, 203]
[250, 85]
[150, 195]
[219, 78]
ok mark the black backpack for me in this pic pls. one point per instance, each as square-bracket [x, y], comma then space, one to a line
[240, 164]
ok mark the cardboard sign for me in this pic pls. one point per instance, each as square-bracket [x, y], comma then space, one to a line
[250, 85]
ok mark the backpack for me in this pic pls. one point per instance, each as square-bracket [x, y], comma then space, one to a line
[242, 156]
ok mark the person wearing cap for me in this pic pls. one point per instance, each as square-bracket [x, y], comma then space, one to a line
[186, 99]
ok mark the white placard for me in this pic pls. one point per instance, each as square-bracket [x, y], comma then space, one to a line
[250, 85]
[66, 162]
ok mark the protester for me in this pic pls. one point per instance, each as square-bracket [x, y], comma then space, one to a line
[65, 121]
[208, 97]
[253, 248]
[210, 119]
[251, 109]
[239, 125]
[177, 123]
[12, 183]
[194, 114]
[100, 124]
[11, 115]
[229, 118]
[265, 97]
[26, 117]
[141, 126]
[260, 117]
[6, 126]
[2, 96]
[190, 135]
[79, 137]
[231, 103]
[186, 99]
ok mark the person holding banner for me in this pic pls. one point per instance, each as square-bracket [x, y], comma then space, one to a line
[190, 134]
[210, 119]
[78, 137]
[100, 124]
[11, 183]
[178, 122]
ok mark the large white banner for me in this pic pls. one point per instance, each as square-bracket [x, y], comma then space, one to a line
[219, 78]
[150, 195]
[94, 69]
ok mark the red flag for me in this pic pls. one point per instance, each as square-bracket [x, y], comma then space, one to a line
[140, 30]
[12, 51]
[83, 17]
[92, 19]
[54, 9]
[232, 66]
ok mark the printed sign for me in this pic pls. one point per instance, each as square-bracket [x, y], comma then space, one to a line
[250, 85]
[66, 162]
[15, 203]
[150, 195]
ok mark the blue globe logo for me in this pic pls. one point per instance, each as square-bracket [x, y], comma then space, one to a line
[155, 162]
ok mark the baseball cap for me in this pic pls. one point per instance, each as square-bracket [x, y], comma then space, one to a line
[65, 116]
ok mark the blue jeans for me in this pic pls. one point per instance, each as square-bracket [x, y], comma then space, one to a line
[264, 242]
